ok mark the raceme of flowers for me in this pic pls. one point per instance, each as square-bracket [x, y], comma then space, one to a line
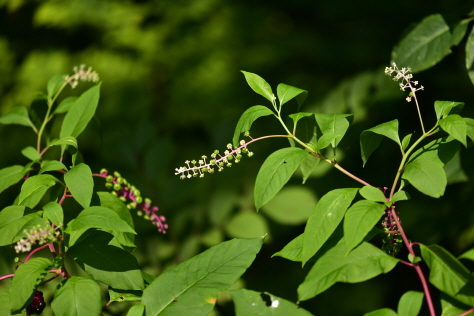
[38, 234]
[80, 74]
[406, 76]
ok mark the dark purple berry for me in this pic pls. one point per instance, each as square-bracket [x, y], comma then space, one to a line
[37, 305]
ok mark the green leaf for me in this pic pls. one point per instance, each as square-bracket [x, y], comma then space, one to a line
[11, 175]
[448, 275]
[102, 218]
[410, 303]
[308, 165]
[298, 116]
[26, 280]
[426, 176]
[106, 263]
[249, 302]
[325, 218]
[116, 295]
[137, 310]
[5, 301]
[286, 93]
[372, 194]
[326, 140]
[467, 255]
[18, 115]
[291, 206]
[400, 196]
[31, 153]
[451, 307]
[275, 173]
[246, 225]
[34, 188]
[54, 84]
[443, 108]
[54, 212]
[370, 139]
[191, 288]
[361, 264]
[80, 183]
[406, 141]
[65, 105]
[12, 219]
[440, 150]
[113, 203]
[259, 85]
[246, 120]
[359, 220]
[458, 31]
[80, 113]
[469, 127]
[470, 55]
[68, 140]
[425, 45]
[51, 165]
[77, 296]
[334, 123]
[382, 312]
[455, 126]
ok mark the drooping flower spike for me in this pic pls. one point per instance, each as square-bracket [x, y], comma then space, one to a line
[406, 76]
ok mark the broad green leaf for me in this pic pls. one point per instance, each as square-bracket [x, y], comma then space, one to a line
[51, 165]
[325, 218]
[455, 126]
[77, 296]
[34, 188]
[298, 116]
[195, 283]
[54, 84]
[443, 108]
[80, 184]
[426, 176]
[102, 218]
[11, 175]
[440, 150]
[68, 140]
[246, 120]
[249, 302]
[335, 124]
[410, 303]
[382, 312]
[291, 206]
[136, 310]
[106, 263]
[448, 275]
[454, 170]
[54, 212]
[469, 127]
[5, 301]
[425, 45]
[326, 140]
[286, 93]
[65, 105]
[80, 113]
[372, 194]
[275, 173]
[359, 220]
[116, 295]
[113, 203]
[259, 85]
[451, 307]
[246, 225]
[308, 165]
[26, 280]
[18, 115]
[470, 55]
[400, 196]
[12, 219]
[361, 264]
[458, 31]
[370, 139]
[406, 141]
[31, 153]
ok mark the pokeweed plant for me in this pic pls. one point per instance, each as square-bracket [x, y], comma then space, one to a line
[100, 239]
[340, 233]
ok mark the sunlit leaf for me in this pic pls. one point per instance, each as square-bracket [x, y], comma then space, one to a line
[382, 312]
[410, 303]
[426, 176]
[31, 153]
[286, 93]
[11, 175]
[80, 183]
[334, 124]
[372, 194]
[455, 126]
[246, 120]
[54, 84]
[259, 85]
[17, 115]
[100, 217]
[370, 139]
[77, 296]
[34, 188]
[54, 212]
[443, 108]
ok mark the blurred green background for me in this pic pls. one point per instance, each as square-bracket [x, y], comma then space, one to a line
[172, 91]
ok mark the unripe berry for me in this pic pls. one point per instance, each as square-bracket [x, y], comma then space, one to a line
[117, 187]
[139, 199]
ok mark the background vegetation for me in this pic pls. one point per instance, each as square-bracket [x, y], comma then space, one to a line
[172, 91]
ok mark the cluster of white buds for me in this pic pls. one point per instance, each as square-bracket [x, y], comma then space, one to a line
[41, 234]
[80, 74]
[406, 76]
[199, 168]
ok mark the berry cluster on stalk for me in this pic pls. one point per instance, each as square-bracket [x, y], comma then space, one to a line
[392, 241]
[131, 196]
[36, 306]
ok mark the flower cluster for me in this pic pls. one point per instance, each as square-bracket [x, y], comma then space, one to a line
[130, 195]
[38, 304]
[199, 168]
[41, 234]
[80, 74]
[392, 241]
[406, 76]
